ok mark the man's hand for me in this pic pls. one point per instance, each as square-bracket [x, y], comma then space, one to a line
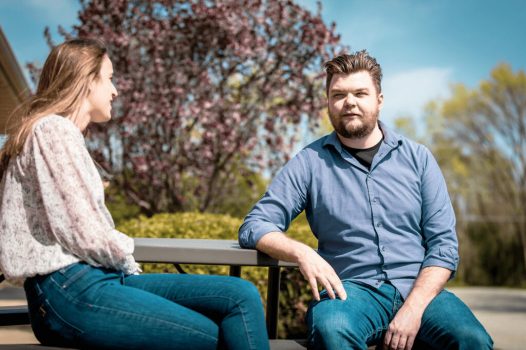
[404, 327]
[402, 330]
[315, 269]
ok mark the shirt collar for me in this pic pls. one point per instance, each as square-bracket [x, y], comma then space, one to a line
[391, 138]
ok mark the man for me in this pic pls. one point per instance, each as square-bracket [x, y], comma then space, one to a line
[378, 204]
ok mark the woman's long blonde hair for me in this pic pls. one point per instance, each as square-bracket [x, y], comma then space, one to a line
[62, 87]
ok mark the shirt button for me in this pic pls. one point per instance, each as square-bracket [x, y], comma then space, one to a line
[374, 200]
[383, 248]
[379, 224]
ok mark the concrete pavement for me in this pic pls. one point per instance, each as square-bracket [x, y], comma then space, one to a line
[502, 311]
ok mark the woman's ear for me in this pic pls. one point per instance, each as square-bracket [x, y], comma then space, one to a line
[91, 86]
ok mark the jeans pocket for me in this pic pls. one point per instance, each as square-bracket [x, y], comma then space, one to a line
[52, 329]
[58, 324]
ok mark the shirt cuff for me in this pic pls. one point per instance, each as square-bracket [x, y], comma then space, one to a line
[130, 267]
[444, 257]
[250, 236]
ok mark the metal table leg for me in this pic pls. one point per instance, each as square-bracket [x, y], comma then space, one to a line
[273, 301]
[235, 270]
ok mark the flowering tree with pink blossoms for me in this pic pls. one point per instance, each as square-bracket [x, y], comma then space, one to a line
[208, 90]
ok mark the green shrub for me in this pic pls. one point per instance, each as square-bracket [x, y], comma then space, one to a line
[490, 255]
[120, 208]
[294, 293]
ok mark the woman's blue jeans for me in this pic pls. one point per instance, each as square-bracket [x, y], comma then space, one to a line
[95, 308]
[362, 319]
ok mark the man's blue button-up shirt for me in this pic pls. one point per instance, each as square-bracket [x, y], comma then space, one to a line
[382, 224]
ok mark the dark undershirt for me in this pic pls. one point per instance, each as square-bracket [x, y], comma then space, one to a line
[364, 156]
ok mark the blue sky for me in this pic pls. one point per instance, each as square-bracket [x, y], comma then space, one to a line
[422, 45]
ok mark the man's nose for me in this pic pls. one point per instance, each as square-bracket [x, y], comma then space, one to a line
[350, 100]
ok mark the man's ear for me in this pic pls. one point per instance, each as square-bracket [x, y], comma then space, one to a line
[380, 100]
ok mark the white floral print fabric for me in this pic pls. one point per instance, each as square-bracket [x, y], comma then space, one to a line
[52, 210]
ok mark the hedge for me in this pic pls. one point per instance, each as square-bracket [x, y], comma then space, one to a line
[294, 293]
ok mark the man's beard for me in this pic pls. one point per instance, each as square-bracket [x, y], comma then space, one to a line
[350, 131]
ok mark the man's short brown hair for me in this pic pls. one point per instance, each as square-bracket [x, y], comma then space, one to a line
[356, 62]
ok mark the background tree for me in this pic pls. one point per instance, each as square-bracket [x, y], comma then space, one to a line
[207, 89]
[479, 139]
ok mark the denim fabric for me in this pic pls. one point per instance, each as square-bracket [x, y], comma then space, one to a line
[86, 307]
[382, 224]
[362, 319]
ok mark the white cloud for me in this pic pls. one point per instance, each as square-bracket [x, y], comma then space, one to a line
[406, 93]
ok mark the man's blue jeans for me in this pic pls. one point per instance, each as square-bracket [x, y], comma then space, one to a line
[95, 308]
[363, 318]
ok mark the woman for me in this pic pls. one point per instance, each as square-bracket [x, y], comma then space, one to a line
[57, 238]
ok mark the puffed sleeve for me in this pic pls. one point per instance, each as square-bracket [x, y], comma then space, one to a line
[73, 197]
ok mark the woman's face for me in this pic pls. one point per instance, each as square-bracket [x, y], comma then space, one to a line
[102, 92]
